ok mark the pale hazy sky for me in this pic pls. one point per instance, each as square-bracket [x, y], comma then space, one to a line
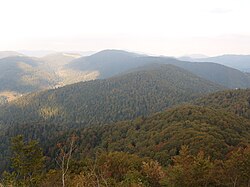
[166, 27]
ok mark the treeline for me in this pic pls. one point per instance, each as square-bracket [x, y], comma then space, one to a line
[123, 169]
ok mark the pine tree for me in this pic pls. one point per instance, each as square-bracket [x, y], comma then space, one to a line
[27, 163]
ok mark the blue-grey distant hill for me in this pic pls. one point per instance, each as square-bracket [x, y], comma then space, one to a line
[114, 62]
[240, 62]
[24, 74]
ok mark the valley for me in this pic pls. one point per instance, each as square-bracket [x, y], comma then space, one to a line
[135, 112]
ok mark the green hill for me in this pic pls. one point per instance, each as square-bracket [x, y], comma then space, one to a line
[235, 101]
[107, 62]
[47, 114]
[161, 135]
[103, 101]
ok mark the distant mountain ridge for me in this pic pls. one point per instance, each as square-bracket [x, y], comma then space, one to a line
[22, 74]
[240, 62]
[107, 62]
[113, 62]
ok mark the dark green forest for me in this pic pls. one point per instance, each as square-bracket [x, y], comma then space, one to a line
[154, 126]
[103, 101]
[235, 101]
[184, 146]
[211, 149]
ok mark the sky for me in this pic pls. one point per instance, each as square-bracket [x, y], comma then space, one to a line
[160, 27]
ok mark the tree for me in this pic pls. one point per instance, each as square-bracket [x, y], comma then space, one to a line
[201, 173]
[237, 167]
[64, 156]
[27, 163]
[180, 173]
[153, 172]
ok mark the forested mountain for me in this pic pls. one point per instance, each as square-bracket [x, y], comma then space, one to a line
[240, 62]
[235, 101]
[107, 62]
[113, 62]
[20, 74]
[161, 135]
[53, 116]
[118, 98]
[95, 112]
[44, 114]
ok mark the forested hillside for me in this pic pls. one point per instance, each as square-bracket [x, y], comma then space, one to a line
[43, 115]
[195, 143]
[235, 101]
[108, 62]
[147, 150]
[102, 101]
[20, 75]
[150, 150]
[161, 136]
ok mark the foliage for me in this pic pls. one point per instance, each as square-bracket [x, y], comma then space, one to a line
[103, 101]
[27, 163]
[161, 136]
[235, 101]
[129, 170]
[116, 169]
[47, 114]
[199, 170]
